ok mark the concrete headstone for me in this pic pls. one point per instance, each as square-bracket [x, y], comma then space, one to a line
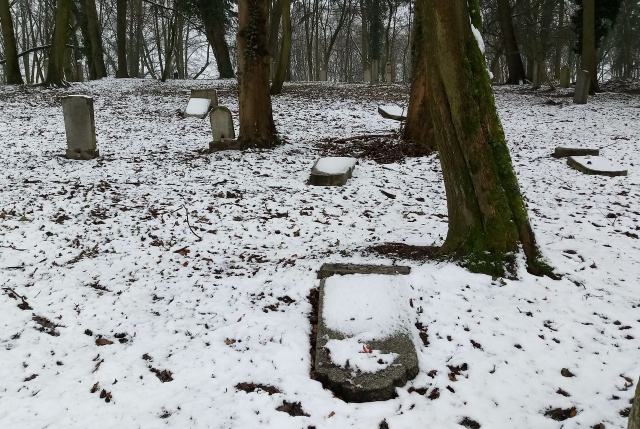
[367, 76]
[537, 76]
[565, 77]
[79, 124]
[581, 94]
[323, 75]
[565, 151]
[197, 107]
[389, 73]
[222, 124]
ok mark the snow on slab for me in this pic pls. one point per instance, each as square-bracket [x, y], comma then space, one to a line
[368, 306]
[198, 107]
[597, 165]
[334, 165]
[393, 111]
[350, 351]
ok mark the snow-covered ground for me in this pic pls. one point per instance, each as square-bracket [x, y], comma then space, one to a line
[159, 277]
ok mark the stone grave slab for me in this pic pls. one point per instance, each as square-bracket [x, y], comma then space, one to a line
[222, 124]
[332, 171]
[79, 124]
[364, 345]
[393, 111]
[597, 165]
[565, 151]
[197, 107]
[211, 94]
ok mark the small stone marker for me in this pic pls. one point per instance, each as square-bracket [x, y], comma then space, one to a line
[222, 128]
[211, 94]
[581, 95]
[79, 124]
[364, 346]
[79, 72]
[332, 171]
[597, 165]
[537, 78]
[393, 111]
[389, 73]
[565, 151]
[565, 77]
[197, 107]
[367, 76]
[323, 75]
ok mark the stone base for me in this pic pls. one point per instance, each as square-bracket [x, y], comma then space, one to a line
[328, 270]
[218, 146]
[82, 154]
[596, 166]
[563, 152]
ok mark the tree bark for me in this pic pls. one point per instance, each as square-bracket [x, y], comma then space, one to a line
[93, 26]
[418, 126]
[588, 60]
[12, 66]
[285, 48]
[256, 118]
[557, 63]
[213, 19]
[487, 215]
[55, 72]
[121, 34]
[634, 416]
[514, 60]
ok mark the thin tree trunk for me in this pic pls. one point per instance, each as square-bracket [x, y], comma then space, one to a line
[55, 72]
[256, 118]
[12, 66]
[285, 48]
[588, 61]
[634, 415]
[514, 60]
[121, 34]
[93, 26]
[213, 19]
[557, 63]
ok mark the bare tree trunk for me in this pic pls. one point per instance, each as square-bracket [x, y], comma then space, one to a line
[285, 48]
[213, 18]
[634, 416]
[557, 63]
[93, 26]
[588, 61]
[514, 60]
[256, 118]
[55, 72]
[12, 66]
[121, 34]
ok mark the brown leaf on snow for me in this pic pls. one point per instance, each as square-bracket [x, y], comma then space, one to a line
[566, 373]
[103, 342]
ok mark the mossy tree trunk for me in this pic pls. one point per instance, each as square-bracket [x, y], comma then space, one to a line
[55, 72]
[634, 416]
[285, 49]
[487, 215]
[256, 118]
[418, 124]
[12, 66]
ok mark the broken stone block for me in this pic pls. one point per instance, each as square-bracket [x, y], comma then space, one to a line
[392, 111]
[79, 124]
[364, 346]
[198, 108]
[332, 171]
[563, 152]
[211, 94]
[597, 165]
[581, 94]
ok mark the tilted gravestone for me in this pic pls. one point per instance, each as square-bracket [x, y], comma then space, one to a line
[79, 124]
[565, 77]
[197, 107]
[581, 94]
[332, 171]
[393, 111]
[364, 346]
[389, 73]
[222, 128]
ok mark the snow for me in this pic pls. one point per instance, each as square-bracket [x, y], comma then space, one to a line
[334, 165]
[198, 107]
[394, 110]
[598, 163]
[350, 351]
[478, 36]
[233, 306]
[370, 306]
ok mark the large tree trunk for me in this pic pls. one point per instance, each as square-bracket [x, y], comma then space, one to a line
[12, 66]
[285, 49]
[634, 416]
[55, 72]
[256, 119]
[213, 18]
[514, 60]
[418, 126]
[588, 61]
[122, 38]
[93, 26]
[487, 216]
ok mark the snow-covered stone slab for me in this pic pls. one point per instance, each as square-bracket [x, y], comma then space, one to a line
[364, 346]
[596, 165]
[80, 127]
[332, 171]
[565, 151]
[197, 107]
[393, 111]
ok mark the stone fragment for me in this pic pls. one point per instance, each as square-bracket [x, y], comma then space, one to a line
[597, 165]
[581, 94]
[393, 111]
[565, 77]
[332, 171]
[328, 270]
[79, 124]
[565, 151]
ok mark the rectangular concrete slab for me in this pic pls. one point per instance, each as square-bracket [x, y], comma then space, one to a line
[393, 111]
[197, 107]
[565, 151]
[79, 124]
[364, 346]
[332, 171]
[597, 165]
